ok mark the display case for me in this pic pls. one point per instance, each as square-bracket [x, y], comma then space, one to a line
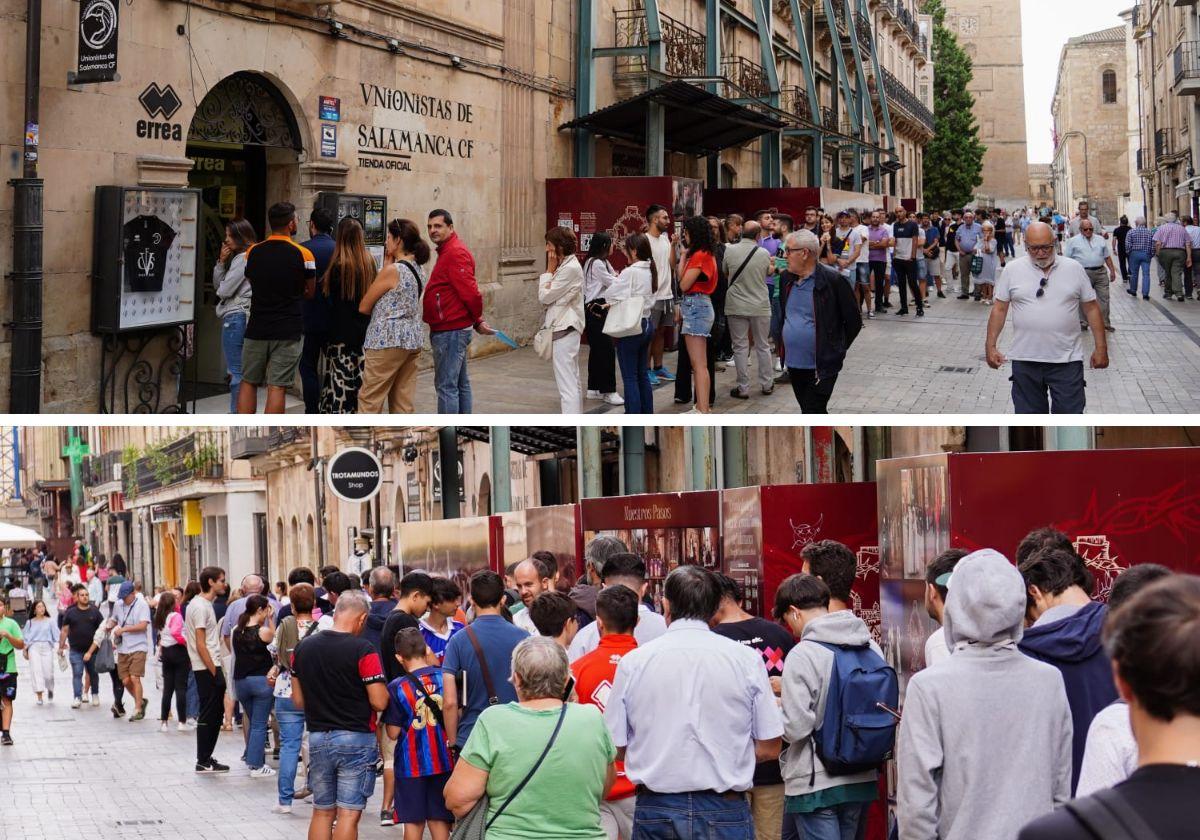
[369, 210]
[144, 258]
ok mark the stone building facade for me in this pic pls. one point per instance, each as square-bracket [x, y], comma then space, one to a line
[1041, 187]
[1091, 155]
[990, 32]
[423, 103]
[1166, 47]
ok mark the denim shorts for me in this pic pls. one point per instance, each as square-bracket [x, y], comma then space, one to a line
[698, 315]
[341, 770]
[862, 274]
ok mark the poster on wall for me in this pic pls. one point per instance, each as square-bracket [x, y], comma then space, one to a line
[98, 25]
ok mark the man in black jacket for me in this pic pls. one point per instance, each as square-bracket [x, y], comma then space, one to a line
[820, 321]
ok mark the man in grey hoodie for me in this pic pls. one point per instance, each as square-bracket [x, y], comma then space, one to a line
[821, 805]
[985, 744]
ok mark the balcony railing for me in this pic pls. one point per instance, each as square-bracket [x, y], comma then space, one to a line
[1162, 143]
[746, 78]
[99, 469]
[248, 441]
[828, 119]
[794, 100]
[683, 47]
[862, 27]
[1187, 61]
[898, 93]
[198, 455]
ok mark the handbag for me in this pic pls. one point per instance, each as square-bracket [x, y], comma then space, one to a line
[543, 343]
[977, 265]
[105, 659]
[624, 317]
[474, 826]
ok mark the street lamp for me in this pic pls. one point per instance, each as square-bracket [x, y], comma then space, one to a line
[1087, 185]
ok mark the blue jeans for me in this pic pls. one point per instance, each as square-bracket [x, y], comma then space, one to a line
[691, 816]
[78, 666]
[450, 370]
[233, 334]
[341, 769]
[193, 697]
[633, 354]
[1139, 263]
[291, 734]
[255, 696]
[847, 821]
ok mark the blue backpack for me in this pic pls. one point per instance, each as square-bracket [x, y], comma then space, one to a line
[856, 734]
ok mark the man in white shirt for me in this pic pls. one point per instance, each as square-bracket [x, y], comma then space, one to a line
[1045, 293]
[858, 260]
[532, 580]
[691, 713]
[662, 315]
[1094, 254]
[937, 582]
[204, 651]
[130, 619]
[626, 570]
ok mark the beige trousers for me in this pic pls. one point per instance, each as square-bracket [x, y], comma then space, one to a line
[390, 373]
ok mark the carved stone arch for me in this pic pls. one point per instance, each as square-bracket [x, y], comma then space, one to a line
[250, 109]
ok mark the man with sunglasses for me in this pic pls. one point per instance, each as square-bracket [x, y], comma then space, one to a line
[1046, 292]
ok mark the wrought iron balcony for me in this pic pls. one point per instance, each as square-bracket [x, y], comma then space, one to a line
[839, 18]
[1187, 69]
[862, 27]
[794, 100]
[100, 469]
[683, 47]
[899, 94]
[746, 78]
[198, 455]
[828, 119]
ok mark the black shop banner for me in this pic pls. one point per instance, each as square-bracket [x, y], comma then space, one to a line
[97, 42]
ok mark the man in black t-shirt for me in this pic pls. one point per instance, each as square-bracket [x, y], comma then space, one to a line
[281, 274]
[338, 682]
[1152, 640]
[773, 642]
[909, 240]
[78, 624]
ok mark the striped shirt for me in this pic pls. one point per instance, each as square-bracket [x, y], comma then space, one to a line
[1171, 235]
[421, 748]
[1139, 239]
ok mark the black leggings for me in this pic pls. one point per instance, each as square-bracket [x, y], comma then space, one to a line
[175, 666]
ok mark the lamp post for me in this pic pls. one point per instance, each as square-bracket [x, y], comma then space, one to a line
[1087, 184]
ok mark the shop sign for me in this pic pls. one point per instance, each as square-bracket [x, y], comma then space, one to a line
[328, 140]
[355, 474]
[330, 108]
[170, 512]
[98, 24]
[393, 147]
[651, 510]
[436, 455]
[160, 104]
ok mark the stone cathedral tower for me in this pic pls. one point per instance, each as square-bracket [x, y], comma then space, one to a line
[990, 32]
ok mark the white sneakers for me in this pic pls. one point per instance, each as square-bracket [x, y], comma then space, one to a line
[181, 727]
[612, 399]
[39, 701]
[95, 699]
[281, 809]
[162, 727]
[264, 772]
[76, 703]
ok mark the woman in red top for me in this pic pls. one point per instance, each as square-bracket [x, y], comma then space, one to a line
[697, 283]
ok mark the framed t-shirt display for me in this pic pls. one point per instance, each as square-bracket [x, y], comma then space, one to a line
[145, 258]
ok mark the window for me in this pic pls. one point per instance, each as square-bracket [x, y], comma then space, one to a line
[1110, 87]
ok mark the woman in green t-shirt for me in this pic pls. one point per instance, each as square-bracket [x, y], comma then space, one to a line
[562, 799]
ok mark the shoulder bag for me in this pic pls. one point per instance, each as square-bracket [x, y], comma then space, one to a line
[475, 825]
[741, 268]
[1109, 816]
[493, 697]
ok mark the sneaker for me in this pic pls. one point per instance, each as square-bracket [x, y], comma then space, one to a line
[903, 311]
[179, 727]
[921, 312]
[681, 401]
[387, 818]
[870, 313]
[162, 727]
[614, 399]
[6, 739]
[941, 294]
[76, 703]
[1179, 298]
[264, 772]
[39, 701]
[778, 366]
[1145, 297]
[594, 395]
[692, 410]
[653, 379]
[1131, 292]
[302, 795]
[117, 711]
[95, 699]
[664, 374]
[964, 297]
[281, 809]
[140, 714]
[739, 394]
[213, 766]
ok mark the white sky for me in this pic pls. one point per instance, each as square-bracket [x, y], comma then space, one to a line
[1046, 26]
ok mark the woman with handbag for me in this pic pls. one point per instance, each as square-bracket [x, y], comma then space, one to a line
[563, 749]
[630, 299]
[560, 290]
[598, 275]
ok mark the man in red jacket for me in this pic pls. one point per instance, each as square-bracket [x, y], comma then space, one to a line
[453, 308]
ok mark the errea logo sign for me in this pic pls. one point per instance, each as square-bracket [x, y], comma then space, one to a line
[160, 104]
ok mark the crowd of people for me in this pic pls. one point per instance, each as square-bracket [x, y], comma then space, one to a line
[542, 707]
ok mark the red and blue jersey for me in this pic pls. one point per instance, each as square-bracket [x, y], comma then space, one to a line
[436, 641]
[421, 748]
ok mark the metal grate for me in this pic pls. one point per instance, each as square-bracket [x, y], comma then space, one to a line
[123, 823]
[953, 369]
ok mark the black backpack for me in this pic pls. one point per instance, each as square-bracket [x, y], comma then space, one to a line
[1108, 815]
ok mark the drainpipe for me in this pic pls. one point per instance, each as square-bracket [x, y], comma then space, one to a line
[25, 377]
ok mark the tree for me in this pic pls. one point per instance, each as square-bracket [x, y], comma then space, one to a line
[953, 160]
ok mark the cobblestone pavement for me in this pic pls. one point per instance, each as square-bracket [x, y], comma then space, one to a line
[81, 773]
[904, 365]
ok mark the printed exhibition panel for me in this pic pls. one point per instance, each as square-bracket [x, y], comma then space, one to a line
[618, 205]
[791, 201]
[453, 548]
[1120, 507]
[522, 532]
[666, 529]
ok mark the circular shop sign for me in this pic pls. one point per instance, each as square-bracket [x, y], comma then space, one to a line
[354, 474]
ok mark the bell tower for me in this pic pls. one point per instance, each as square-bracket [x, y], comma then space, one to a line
[990, 32]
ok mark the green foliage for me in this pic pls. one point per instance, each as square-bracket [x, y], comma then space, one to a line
[953, 161]
[129, 459]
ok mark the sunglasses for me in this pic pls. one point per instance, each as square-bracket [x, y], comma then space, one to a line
[1041, 249]
[1042, 286]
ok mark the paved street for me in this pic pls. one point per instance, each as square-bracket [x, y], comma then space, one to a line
[84, 774]
[902, 365]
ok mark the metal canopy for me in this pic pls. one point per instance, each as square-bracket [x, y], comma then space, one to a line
[697, 122]
[538, 440]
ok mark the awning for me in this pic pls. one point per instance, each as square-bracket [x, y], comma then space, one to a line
[14, 536]
[92, 510]
[697, 122]
[1188, 187]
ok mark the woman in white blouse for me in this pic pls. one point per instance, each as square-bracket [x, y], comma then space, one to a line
[639, 278]
[560, 290]
[598, 275]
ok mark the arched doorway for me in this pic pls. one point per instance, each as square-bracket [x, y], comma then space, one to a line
[485, 495]
[245, 144]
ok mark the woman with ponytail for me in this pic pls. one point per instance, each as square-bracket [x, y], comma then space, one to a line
[639, 279]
